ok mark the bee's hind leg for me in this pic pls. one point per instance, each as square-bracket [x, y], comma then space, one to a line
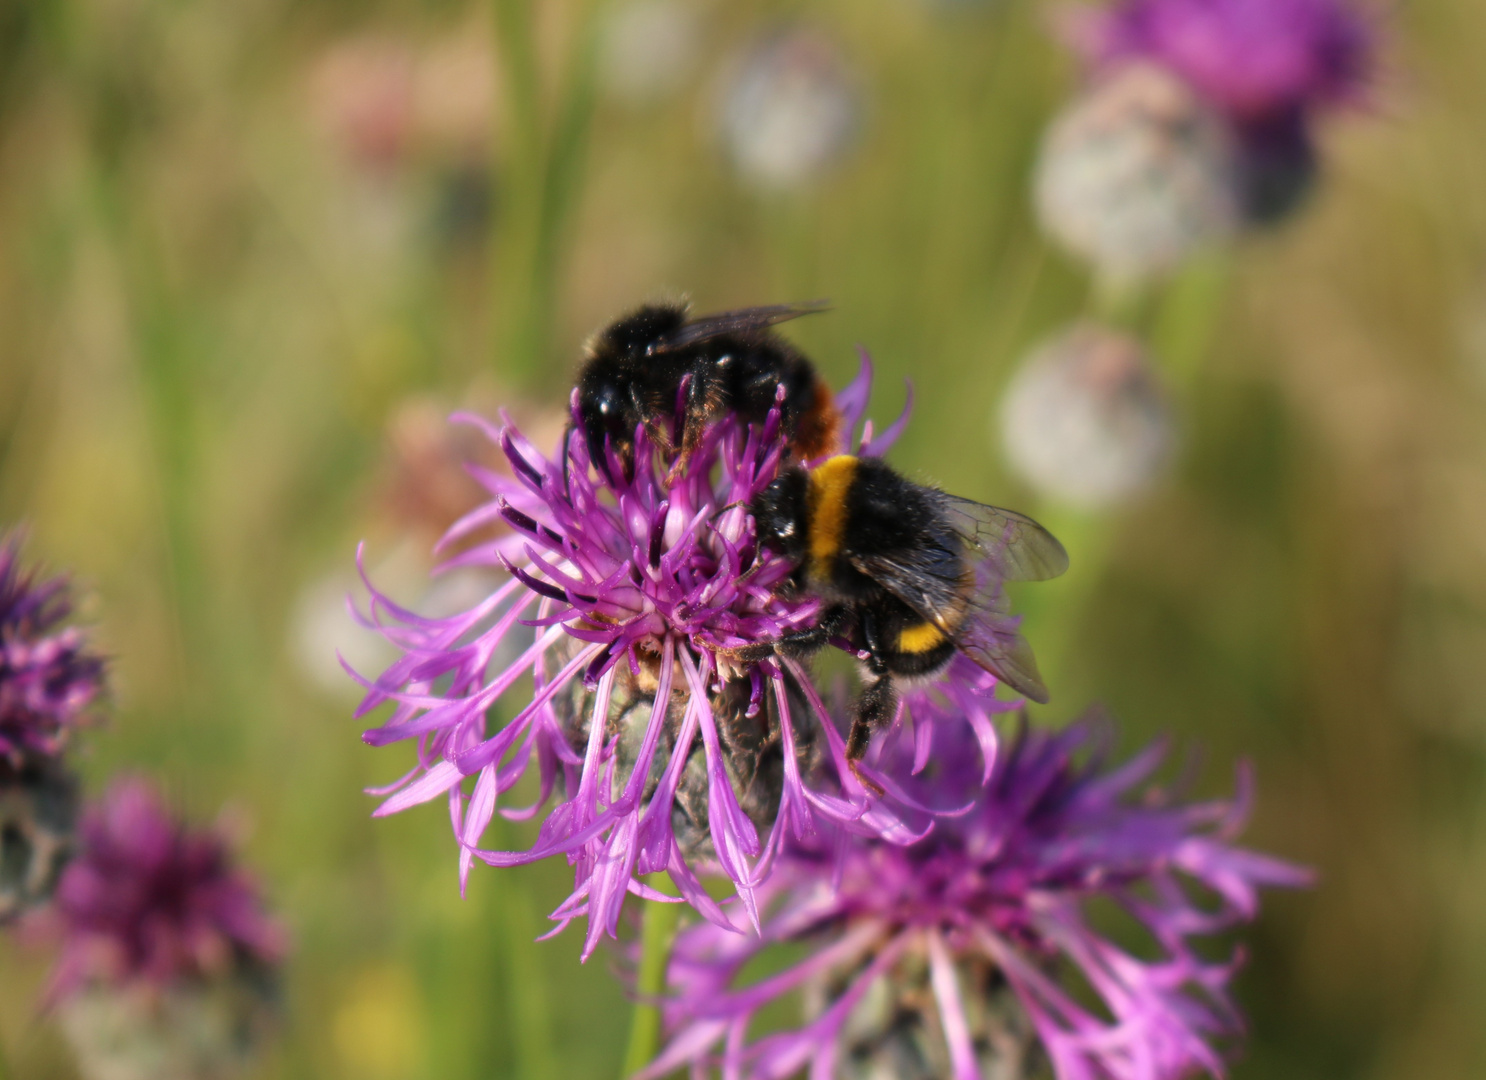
[876, 707]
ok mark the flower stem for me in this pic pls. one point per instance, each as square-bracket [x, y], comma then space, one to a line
[1187, 321]
[545, 169]
[657, 932]
[527, 984]
[1178, 324]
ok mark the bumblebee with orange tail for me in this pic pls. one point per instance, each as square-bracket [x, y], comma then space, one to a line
[909, 575]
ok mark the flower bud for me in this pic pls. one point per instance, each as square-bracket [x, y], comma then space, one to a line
[1137, 175]
[38, 812]
[1085, 420]
[168, 968]
[198, 1030]
[895, 1032]
[790, 111]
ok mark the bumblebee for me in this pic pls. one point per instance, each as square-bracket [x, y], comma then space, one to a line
[909, 575]
[674, 375]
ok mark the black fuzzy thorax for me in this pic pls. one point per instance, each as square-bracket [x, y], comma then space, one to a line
[636, 376]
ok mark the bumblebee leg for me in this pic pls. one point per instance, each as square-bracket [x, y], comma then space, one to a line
[795, 646]
[700, 408]
[567, 460]
[875, 710]
[873, 640]
[875, 707]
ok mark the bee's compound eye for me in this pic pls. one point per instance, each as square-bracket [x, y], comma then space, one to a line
[787, 530]
[724, 359]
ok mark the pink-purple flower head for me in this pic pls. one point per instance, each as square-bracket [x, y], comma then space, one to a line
[976, 942]
[637, 589]
[1253, 59]
[1266, 65]
[150, 902]
[48, 678]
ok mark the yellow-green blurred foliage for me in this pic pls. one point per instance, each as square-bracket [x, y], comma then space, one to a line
[239, 239]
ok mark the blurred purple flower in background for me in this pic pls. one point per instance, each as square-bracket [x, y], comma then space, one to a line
[148, 900]
[48, 681]
[637, 589]
[975, 951]
[1267, 65]
[48, 678]
[168, 960]
[1253, 58]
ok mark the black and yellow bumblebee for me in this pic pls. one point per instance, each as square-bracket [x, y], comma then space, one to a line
[909, 576]
[676, 375]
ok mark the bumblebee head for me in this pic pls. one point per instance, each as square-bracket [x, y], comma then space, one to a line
[781, 514]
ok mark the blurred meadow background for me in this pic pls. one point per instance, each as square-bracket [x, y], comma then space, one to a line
[252, 253]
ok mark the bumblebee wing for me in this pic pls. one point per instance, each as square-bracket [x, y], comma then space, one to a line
[930, 582]
[928, 579]
[991, 639]
[741, 321]
[1015, 546]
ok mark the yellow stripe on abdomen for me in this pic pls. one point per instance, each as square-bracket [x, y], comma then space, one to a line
[920, 639]
[829, 485]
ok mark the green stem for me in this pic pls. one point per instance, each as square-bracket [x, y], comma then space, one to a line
[1055, 609]
[524, 170]
[164, 364]
[1122, 303]
[657, 932]
[1187, 319]
[544, 173]
[1179, 323]
[530, 997]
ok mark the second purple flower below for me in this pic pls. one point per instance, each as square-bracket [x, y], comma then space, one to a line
[986, 950]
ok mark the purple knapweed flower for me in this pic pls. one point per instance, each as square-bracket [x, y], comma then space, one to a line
[48, 678]
[169, 964]
[1267, 65]
[975, 951]
[637, 590]
[147, 900]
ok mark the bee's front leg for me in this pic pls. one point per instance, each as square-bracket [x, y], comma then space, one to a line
[702, 403]
[796, 646]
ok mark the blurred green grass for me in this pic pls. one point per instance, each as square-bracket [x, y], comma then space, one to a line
[211, 310]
